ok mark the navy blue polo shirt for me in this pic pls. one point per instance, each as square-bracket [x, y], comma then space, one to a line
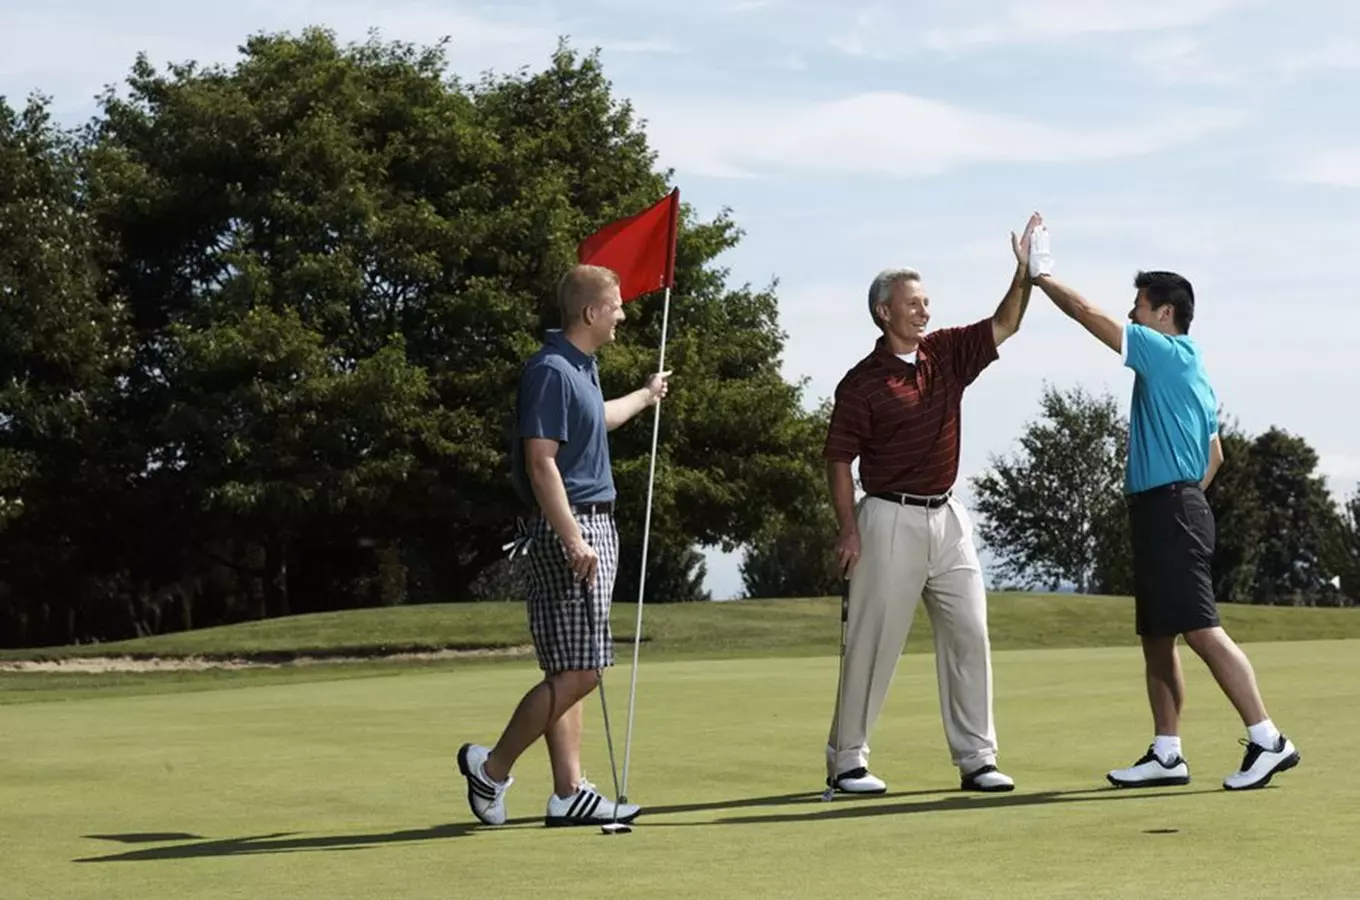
[560, 398]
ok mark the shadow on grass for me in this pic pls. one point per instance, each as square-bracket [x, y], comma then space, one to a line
[842, 807]
[281, 842]
[839, 809]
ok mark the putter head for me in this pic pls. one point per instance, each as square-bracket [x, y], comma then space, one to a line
[828, 795]
[616, 828]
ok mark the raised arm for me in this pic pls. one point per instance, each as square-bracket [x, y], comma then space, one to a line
[1006, 320]
[1105, 327]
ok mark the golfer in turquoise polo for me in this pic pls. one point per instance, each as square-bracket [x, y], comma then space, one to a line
[1174, 452]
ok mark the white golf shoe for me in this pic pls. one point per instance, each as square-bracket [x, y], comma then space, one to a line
[988, 780]
[485, 797]
[1151, 771]
[586, 807]
[1260, 764]
[857, 781]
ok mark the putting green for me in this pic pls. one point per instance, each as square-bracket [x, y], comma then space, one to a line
[348, 789]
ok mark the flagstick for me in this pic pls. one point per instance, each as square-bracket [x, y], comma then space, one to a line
[646, 534]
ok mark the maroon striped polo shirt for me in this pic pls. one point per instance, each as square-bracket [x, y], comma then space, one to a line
[902, 420]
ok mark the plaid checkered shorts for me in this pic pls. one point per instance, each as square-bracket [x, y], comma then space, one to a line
[569, 622]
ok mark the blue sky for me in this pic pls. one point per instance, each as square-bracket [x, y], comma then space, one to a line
[1214, 137]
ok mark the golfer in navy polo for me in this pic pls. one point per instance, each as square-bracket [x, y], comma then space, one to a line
[1174, 452]
[561, 467]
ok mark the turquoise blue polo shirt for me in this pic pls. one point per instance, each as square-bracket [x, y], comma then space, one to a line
[560, 398]
[1174, 413]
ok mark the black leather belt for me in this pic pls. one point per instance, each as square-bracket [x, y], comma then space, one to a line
[602, 508]
[932, 502]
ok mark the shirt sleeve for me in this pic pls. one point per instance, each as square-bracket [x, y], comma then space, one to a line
[1146, 351]
[543, 407]
[850, 424]
[966, 350]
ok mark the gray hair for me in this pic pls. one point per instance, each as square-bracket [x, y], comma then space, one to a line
[881, 287]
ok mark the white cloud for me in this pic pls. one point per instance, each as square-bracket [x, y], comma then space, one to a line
[895, 134]
[1180, 58]
[1337, 167]
[71, 51]
[1336, 53]
[1048, 21]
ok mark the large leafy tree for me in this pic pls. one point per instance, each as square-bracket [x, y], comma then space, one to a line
[62, 350]
[1053, 512]
[331, 262]
[1298, 520]
[1238, 517]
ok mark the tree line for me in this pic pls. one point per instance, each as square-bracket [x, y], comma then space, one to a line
[1053, 515]
[261, 325]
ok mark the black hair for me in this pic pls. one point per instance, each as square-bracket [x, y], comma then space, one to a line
[1168, 287]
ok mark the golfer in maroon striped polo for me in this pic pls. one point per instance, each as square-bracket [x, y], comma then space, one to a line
[909, 538]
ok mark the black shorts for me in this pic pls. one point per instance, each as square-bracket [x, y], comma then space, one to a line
[1173, 535]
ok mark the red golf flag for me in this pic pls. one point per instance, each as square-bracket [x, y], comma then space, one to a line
[640, 248]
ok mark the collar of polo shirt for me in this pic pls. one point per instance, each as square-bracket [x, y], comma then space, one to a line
[558, 338]
[885, 353]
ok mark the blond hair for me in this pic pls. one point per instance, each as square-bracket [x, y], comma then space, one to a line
[579, 287]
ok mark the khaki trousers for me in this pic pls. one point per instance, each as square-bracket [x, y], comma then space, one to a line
[910, 553]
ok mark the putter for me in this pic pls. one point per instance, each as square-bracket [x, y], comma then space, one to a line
[614, 827]
[830, 792]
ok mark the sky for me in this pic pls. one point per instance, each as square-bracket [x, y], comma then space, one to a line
[1216, 138]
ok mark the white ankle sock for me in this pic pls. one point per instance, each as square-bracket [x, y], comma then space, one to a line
[1166, 746]
[1265, 734]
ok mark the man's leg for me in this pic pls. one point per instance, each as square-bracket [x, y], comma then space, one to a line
[1165, 688]
[1231, 669]
[588, 647]
[956, 600]
[561, 624]
[1268, 751]
[885, 587]
[552, 710]
[1157, 559]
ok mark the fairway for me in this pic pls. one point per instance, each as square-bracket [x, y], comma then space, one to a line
[348, 789]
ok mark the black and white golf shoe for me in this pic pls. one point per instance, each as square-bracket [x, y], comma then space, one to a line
[586, 807]
[857, 781]
[1151, 771]
[988, 780]
[485, 797]
[1260, 764]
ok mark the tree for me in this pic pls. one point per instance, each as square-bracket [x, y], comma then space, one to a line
[793, 555]
[1238, 517]
[331, 262]
[1298, 519]
[62, 351]
[1053, 513]
[1344, 555]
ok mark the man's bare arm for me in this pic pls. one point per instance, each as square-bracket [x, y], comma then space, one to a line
[843, 502]
[1215, 462]
[1006, 320]
[621, 409]
[842, 495]
[540, 461]
[1102, 325]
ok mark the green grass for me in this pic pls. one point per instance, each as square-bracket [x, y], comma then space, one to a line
[746, 629]
[691, 630]
[340, 789]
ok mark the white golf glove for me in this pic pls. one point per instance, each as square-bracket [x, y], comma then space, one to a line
[1040, 254]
